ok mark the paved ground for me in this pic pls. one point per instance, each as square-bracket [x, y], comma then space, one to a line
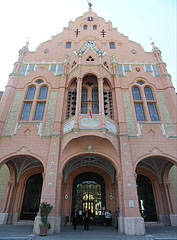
[95, 233]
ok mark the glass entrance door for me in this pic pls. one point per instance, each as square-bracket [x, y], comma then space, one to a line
[89, 192]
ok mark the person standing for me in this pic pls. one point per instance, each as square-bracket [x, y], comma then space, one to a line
[117, 216]
[106, 215]
[75, 215]
[86, 219]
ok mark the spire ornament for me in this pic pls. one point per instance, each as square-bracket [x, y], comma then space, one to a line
[90, 4]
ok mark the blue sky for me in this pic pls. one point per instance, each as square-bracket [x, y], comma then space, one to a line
[40, 20]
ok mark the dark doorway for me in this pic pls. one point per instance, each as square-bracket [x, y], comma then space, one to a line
[32, 197]
[89, 192]
[146, 199]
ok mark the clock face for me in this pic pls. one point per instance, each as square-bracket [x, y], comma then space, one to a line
[90, 44]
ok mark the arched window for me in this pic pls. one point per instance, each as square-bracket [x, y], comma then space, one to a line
[30, 92]
[43, 93]
[138, 103]
[40, 105]
[95, 101]
[148, 93]
[30, 100]
[151, 104]
[28, 103]
[146, 102]
[136, 93]
[84, 100]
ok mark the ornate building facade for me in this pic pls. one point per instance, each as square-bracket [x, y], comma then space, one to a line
[88, 121]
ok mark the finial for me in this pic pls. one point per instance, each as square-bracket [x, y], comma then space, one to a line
[27, 44]
[89, 3]
[154, 48]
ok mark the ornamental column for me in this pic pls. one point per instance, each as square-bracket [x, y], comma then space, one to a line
[130, 220]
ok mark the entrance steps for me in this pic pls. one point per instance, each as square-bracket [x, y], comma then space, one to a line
[153, 224]
[24, 222]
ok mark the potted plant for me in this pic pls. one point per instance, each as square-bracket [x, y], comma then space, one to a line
[45, 209]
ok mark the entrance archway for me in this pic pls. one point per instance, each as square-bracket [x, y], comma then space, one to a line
[89, 192]
[146, 199]
[31, 200]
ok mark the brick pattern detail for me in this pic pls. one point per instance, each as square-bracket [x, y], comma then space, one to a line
[13, 113]
[50, 112]
[4, 176]
[129, 113]
[165, 112]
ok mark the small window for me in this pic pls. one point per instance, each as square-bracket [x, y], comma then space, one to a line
[53, 67]
[140, 82]
[127, 68]
[148, 68]
[85, 27]
[31, 68]
[23, 70]
[112, 45]
[153, 112]
[120, 70]
[68, 45]
[59, 70]
[39, 81]
[156, 71]
[94, 27]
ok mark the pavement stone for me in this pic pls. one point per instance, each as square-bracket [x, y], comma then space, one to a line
[94, 233]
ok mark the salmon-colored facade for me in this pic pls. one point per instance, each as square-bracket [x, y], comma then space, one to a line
[89, 120]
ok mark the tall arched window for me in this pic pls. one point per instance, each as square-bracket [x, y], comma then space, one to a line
[147, 102]
[84, 100]
[28, 103]
[138, 103]
[40, 105]
[95, 101]
[151, 103]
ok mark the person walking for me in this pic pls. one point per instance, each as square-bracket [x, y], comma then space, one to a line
[86, 219]
[106, 215]
[75, 215]
[110, 218]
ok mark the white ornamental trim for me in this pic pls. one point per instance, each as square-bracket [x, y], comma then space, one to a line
[111, 127]
[68, 126]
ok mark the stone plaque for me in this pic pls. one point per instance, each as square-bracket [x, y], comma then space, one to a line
[90, 122]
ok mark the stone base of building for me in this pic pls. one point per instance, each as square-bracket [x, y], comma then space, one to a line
[54, 221]
[3, 218]
[164, 219]
[173, 219]
[131, 225]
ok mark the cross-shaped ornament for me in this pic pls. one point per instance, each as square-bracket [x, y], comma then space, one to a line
[77, 32]
[103, 33]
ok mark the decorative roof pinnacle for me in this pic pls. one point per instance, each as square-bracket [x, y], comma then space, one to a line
[154, 48]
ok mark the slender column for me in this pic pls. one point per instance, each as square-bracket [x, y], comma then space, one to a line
[78, 101]
[101, 99]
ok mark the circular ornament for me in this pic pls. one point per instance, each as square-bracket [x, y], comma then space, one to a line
[90, 44]
[133, 51]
